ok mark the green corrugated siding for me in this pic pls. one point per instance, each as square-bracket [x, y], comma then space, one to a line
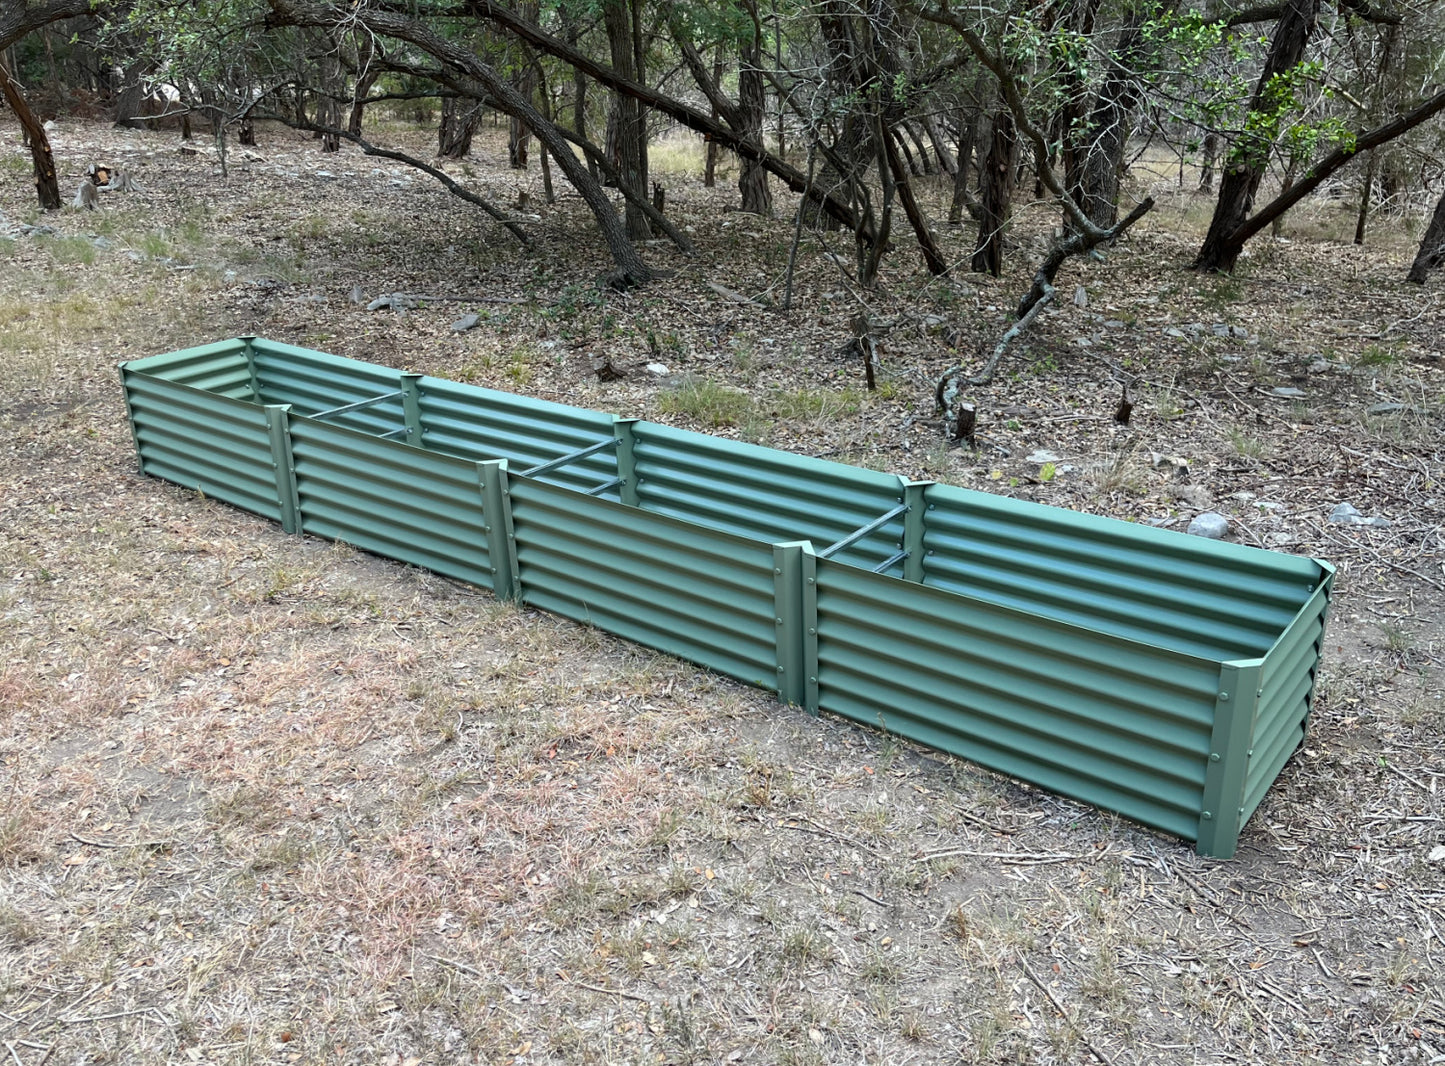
[391, 499]
[1198, 597]
[764, 493]
[1115, 724]
[703, 596]
[1286, 685]
[314, 381]
[203, 441]
[485, 424]
[220, 368]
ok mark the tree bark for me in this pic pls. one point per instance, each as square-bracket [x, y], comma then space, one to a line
[1249, 156]
[1206, 170]
[709, 173]
[932, 256]
[618, 18]
[458, 126]
[1108, 129]
[757, 198]
[18, 20]
[47, 185]
[518, 136]
[967, 134]
[996, 194]
[366, 74]
[1432, 246]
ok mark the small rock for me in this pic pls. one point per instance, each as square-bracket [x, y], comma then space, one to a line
[358, 295]
[100, 242]
[1319, 366]
[465, 323]
[1194, 327]
[1082, 342]
[1239, 332]
[658, 370]
[326, 175]
[1219, 329]
[1114, 323]
[1437, 853]
[1081, 297]
[1384, 408]
[1347, 514]
[1211, 525]
[37, 231]
[1195, 496]
[1287, 391]
[1174, 331]
[1043, 456]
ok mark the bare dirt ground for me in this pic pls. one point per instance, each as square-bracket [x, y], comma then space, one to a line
[269, 800]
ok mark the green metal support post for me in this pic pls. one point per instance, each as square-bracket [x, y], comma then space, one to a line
[795, 606]
[915, 495]
[278, 421]
[411, 407]
[251, 368]
[497, 526]
[1230, 748]
[626, 460]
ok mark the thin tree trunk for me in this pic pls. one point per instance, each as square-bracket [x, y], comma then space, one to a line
[1249, 156]
[1367, 186]
[1432, 246]
[365, 79]
[1211, 153]
[996, 194]
[47, 185]
[932, 256]
[709, 174]
[458, 125]
[967, 134]
[940, 146]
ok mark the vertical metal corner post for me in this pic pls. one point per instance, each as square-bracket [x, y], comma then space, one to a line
[411, 406]
[626, 459]
[497, 525]
[795, 605]
[1230, 748]
[914, 521]
[130, 416]
[278, 425]
[251, 367]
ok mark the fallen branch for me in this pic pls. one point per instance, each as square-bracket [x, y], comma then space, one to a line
[1088, 1043]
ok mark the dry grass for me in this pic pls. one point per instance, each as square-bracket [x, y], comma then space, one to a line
[268, 799]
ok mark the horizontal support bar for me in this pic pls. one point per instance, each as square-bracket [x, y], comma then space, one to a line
[358, 405]
[597, 490]
[858, 534]
[393, 433]
[570, 457]
[891, 561]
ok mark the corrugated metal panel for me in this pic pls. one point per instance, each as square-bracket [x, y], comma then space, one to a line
[1286, 686]
[764, 493]
[315, 382]
[221, 368]
[1192, 595]
[486, 424]
[1105, 721]
[391, 499]
[203, 441]
[704, 596]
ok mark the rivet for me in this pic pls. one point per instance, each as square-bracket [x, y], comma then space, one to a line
[812, 680]
[780, 669]
[812, 631]
[494, 570]
[777, 569]
[812, 581]
[1214, 756]
[779, 621]
[1206, 816]
[1241, 810]
[1249, 754]
[486, 529]
[1224, 697]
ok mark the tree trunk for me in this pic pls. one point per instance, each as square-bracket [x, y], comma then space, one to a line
[1367, 186]
[940, 146]
[47, 186]
[458, 125]
[709, 173]
[619, 17]
[130, 101]
[757, 198]
[911, 133]
[245, 132]
[967, 134]
[1249, 157]
[1432, 246]
[365, 79]
[996, 194]
[1211, 153]
[932, 256]
[518, 136]
[1108, 130]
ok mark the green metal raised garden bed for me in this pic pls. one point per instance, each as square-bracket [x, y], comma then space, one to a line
[1162, 676]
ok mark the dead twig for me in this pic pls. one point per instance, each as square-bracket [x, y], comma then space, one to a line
[612, 992]
[1088, 1043]
[132, 844]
